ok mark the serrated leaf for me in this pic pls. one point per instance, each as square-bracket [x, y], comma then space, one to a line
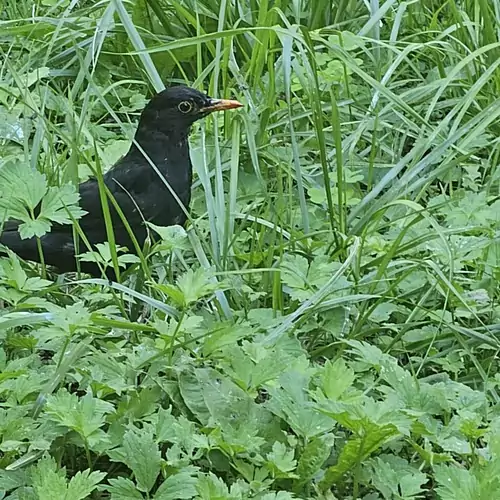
[172, 237]
[58, 202]
[48, 481]
[358, 449]
[82, 484]
[19, 181]
[336, 378]
[23, 190]
[113, 151]
[122, 488]
[141, 454]
[294, 269]
[192, 393]
[173, 292]
[291, 403]
[31, 228]
[85, 415]
[394, 477]
[281, 460]
[177, 487]
[210, 487]
[280, 495]
[456, 483]
[315, 454]
[194, 285]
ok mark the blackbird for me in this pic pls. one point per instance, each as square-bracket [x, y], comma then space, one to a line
[142, 196]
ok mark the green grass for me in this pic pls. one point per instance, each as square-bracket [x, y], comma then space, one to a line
[326, 326]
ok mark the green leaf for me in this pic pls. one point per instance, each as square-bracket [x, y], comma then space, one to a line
[291, 403]
[281, 461]
[180, 431]
[10, 480]
[122, 488]
[357, 449]
[58, 202]
[456, 483]
[194, 285]
[20, 182]
[85, 416]
[394, 477]
[177, 487]
[172, 237]
[23, 190]
[281, 495]
[48, 481]
[140, 453]
[31, 228]
[11, 126]
[36, 75]
[211, 487]
[193, 395]
[114, 150]
[315, 454]
[82, 484]
[336, 378]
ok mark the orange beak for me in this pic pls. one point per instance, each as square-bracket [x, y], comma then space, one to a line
[221, 105]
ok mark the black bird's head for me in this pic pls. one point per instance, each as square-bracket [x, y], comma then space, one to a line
[175, 109]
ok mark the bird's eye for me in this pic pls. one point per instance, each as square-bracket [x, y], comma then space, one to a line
[185, 106]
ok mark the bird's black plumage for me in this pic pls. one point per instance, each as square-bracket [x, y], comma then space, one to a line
[162, 135]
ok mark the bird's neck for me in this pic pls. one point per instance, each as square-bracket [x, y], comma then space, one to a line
[166, 149]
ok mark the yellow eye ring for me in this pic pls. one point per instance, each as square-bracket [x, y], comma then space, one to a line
[185, 106]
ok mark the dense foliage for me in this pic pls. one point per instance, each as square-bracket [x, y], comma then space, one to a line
[326, 326]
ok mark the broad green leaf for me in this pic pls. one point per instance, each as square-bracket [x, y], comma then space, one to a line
[219, 402]
[179, 486]
[291, 403]
[211, 487]
[19, 181]
[31, 228]
[58, 202]
[336, 378]
[122, 488]
[224, 335]
[193, 395]
[10, 480]
[84, 415]
[82, 484]
[194, 285]
[114, 150]
[314, 455]
[24, 191]
[357, 449]
[172, 237]
[140, 453]
[393, 476]
[49, 482]
[280, 495]
[457, 483]
[281, 461]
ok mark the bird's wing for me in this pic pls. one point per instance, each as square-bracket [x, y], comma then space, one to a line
[129, 182]
[126, 182]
